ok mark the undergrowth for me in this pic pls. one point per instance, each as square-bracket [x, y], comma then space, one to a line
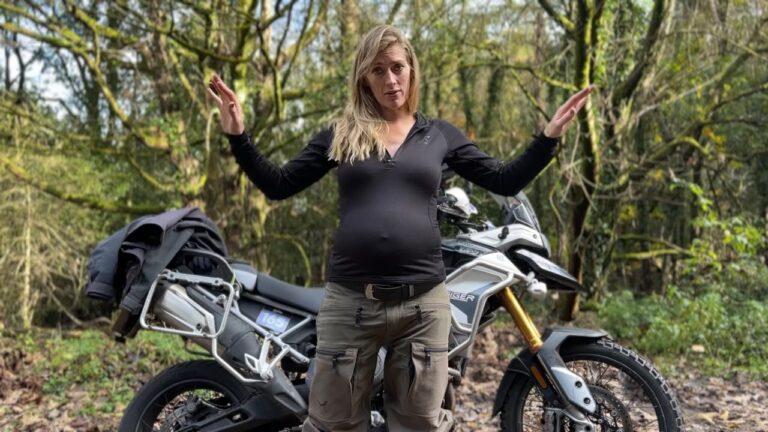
[719, 324]
[108, 373]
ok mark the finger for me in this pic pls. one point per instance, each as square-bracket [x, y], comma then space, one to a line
[585, 91]
[578, 97]
[567, 114]
[216, 86]
[223, 89]
[212, 96]
[581, 104]
[583, 95]
[566, 118]
[213, 88]
[571, 101]
[233, 109]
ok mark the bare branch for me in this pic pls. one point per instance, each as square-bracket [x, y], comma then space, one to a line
[530, 97]
[306, 36]
[651, 254]
[559, 18]
[657, 155]
[87, 202]
[716, 81]
[644, 58]
[760, 89]
[393, 11]
[78, 322]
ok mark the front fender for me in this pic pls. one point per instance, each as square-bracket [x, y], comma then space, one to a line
[549, 354]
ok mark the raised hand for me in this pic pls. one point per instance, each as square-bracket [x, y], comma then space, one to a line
[567, 112]
[230, 112]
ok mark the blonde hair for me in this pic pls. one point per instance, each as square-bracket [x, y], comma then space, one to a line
[359, 129]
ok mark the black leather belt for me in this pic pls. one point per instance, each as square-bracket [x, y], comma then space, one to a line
[389, 292]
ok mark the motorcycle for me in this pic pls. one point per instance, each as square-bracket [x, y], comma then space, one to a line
[260, 335]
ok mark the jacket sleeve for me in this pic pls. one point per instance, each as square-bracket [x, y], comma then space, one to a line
[280, 182]
[503, 178]
[102, 266]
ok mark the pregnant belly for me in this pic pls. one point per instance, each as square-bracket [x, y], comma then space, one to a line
[387, 239]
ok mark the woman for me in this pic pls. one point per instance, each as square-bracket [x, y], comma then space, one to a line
[386, 276]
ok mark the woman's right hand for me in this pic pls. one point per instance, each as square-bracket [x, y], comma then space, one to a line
[230, 112]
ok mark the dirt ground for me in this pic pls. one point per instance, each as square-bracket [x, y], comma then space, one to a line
[710, 403]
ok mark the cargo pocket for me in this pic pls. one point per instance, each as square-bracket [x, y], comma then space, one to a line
[429, 379]
[330, 396]
[427, 312]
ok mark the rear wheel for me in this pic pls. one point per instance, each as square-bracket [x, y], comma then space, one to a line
[630, 393]
[183, 395]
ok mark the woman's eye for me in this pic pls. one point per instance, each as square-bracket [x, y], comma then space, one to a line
[378, 71]
[398, 68]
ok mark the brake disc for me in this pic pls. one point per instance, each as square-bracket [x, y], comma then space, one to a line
[611, 414]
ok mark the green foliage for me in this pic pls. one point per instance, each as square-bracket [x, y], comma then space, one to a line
[715, 314]
[727, 250]
[721, 330]
[108, 371]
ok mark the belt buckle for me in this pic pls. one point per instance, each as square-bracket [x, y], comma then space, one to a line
[369, 292]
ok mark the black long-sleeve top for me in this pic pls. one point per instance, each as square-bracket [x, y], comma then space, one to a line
[388, 230]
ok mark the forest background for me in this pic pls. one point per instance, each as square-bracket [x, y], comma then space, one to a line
[657, 200]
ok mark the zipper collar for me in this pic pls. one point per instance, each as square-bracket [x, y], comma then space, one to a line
[422, 123]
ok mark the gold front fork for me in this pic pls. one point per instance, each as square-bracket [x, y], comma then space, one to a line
[522, 320]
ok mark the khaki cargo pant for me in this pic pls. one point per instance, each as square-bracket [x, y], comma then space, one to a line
[350, 331]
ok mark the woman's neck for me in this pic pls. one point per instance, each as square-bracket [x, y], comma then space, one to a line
[402, 122]
[397, 130]
[395, 117]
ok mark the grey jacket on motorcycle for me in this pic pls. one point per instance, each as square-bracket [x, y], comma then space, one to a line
[123, 266]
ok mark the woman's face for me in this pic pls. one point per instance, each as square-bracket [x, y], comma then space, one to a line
[389, 80]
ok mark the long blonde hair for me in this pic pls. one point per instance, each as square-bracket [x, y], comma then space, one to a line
[360, 128]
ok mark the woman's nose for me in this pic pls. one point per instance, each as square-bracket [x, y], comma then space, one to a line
[391, 78]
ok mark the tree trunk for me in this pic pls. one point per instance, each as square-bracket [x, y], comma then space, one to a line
[581, 194]
[28, 299]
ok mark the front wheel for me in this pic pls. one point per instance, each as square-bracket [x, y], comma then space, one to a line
[184, 395]
[631, 394]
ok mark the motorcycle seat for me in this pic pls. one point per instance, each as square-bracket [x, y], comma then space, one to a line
[306, 299]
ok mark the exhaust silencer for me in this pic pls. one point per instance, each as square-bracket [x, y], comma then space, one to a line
[192, 310]
[174, 307]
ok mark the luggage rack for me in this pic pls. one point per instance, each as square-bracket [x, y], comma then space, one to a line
[258, 363]
[186, 278]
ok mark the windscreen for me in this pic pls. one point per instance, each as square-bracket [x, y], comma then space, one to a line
[517, 209]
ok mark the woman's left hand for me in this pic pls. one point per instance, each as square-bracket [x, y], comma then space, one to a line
[230, 111]
[567, 112]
